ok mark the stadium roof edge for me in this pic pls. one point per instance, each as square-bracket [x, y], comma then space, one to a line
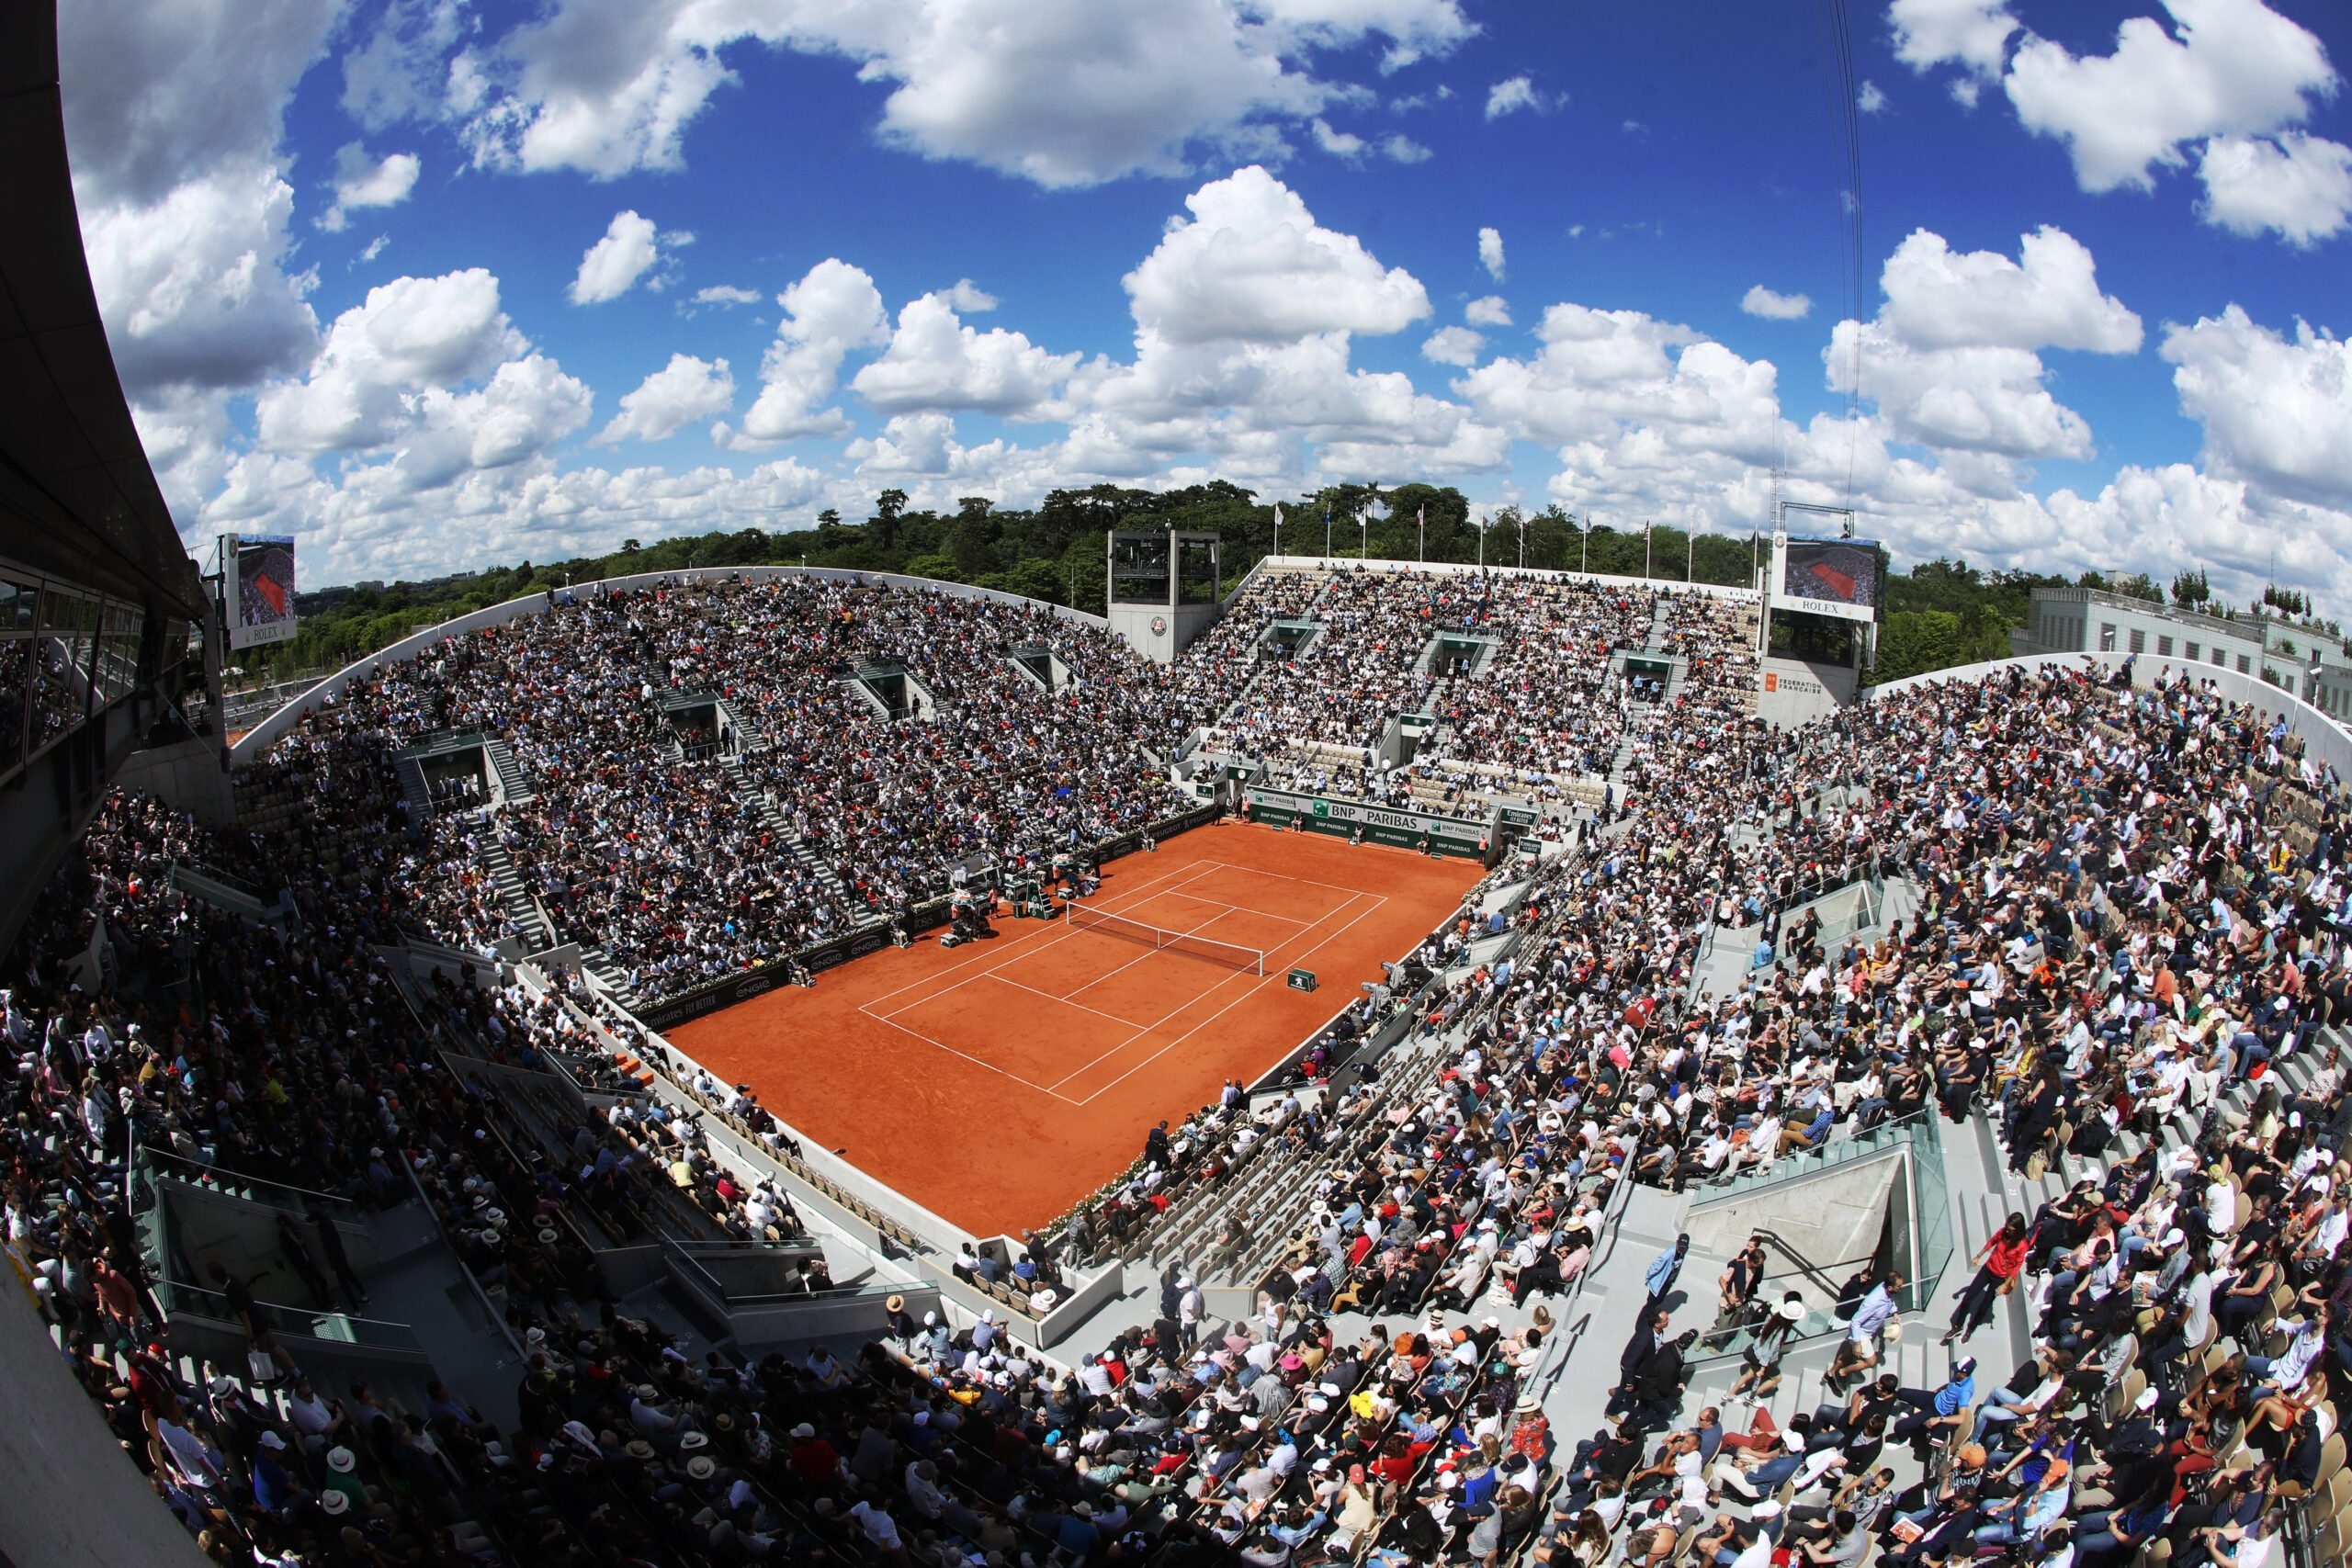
[78, 497]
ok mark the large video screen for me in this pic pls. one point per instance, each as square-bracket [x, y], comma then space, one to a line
[260, 590]
[1831, 577]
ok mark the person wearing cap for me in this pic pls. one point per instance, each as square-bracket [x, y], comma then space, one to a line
[1937, 1414]
[275, 1489]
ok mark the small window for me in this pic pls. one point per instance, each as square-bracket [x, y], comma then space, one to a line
[2222, 658]
[2107, 636]
[2245, 666]
[2163, 648]
[2193, 652]
[2139, 642]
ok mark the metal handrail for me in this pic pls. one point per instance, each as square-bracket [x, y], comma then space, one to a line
[181, 1299]
[300, 1198]
[1815, 1274]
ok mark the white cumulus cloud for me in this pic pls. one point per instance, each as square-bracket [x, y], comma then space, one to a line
[673, 397]
[410, 335]
[832, 311]
[1454, 346]
[2276, 410]
[1063, 93]
[364, 181]
[1491, 253]
[1513, 94]
[1971, 34]
[2297, 185]
[1489, 312]
[935, 363]
[2049, 298]
[2226, 68]
[611, 266]
[1252, 265]
[1953, 361]
[726, 294]
[1774, 306]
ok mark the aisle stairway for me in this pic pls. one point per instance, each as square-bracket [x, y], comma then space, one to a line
[507, 877]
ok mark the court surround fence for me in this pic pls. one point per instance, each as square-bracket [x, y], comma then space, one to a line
[1470, 838]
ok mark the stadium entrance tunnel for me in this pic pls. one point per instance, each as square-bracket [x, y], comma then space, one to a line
[1881, 1197]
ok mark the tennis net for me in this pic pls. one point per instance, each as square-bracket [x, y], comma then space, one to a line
[1249, 960]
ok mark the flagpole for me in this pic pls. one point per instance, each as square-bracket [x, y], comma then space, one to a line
[1584, 543]
[1326, 530]
[1482, 547]
[1421, 523]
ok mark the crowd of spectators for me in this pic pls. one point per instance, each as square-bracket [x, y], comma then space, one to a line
[2128, 913]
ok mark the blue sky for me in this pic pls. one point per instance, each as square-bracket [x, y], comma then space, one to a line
[435, 283]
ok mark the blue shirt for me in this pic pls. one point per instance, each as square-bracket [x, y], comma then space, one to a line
[1956, 1395]
[1661, 1271]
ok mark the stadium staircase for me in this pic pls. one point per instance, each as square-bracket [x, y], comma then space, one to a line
[415, 791]
[515, 784]
[763, 804]
[608, 973]
[521, 907]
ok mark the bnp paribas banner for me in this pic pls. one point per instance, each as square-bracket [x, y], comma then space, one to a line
[1404, 830]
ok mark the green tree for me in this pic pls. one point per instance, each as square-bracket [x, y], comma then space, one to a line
[889, 507]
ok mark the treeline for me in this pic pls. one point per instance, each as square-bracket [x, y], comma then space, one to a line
[1054, 552]
[1939, 613]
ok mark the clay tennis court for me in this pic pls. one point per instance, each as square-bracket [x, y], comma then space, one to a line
[998, 1082]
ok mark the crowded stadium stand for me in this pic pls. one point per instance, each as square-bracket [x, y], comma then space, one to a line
[1936, 1110]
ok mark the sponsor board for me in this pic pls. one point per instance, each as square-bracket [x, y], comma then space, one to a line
[1401, 829]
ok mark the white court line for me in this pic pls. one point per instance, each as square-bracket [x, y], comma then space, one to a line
[919, 1034]
[990, 950]
[1221, 1011]
[1223, 910]
[1199, 997]
[1066, 1001]
[1305, 880]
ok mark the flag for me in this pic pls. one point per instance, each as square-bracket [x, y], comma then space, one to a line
[1421, 523]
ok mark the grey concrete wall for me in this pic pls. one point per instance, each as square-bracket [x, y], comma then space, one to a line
[188, 776]
[72, 1497]
[1790, 691]
[1828, 1220]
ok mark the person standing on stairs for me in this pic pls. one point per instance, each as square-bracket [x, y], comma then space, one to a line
[331, 1248]
[1998, 1263]
[1665, 1269]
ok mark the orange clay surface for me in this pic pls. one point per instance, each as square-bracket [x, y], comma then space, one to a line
[998, 1082]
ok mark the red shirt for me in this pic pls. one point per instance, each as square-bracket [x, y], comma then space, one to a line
[2006, 1257]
